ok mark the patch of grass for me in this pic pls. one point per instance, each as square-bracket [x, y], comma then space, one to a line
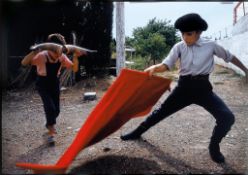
[223, 72]
[139, 63]
[218, 82]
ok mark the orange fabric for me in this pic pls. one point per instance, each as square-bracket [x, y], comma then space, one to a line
[133, 94]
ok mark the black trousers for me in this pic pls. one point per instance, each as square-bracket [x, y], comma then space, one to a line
[195, 91]
[50, 98]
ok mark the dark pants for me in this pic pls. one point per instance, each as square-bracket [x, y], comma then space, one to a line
[195, 91]
[50, 99]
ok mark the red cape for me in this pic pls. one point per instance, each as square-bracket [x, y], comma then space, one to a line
[133, 94]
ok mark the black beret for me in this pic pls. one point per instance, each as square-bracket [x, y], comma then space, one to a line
[191, 22]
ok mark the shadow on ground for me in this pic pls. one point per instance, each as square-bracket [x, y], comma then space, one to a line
[117, 164]
[179, 165]
[33, 155]
[113, 164]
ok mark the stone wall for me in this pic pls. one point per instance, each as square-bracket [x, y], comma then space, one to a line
[237, 45]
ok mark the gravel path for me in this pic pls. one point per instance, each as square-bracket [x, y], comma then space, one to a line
[178, 144]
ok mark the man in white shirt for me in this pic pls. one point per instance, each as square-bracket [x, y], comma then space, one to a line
[196, 57]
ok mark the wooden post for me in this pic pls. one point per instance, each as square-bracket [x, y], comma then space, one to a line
[120, 37]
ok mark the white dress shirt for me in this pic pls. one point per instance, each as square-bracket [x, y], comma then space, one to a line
[197, 59]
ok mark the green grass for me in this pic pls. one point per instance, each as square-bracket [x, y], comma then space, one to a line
[139, 63]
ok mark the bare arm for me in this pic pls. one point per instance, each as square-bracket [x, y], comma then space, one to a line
[48, 46]
[77, 52]
[75, 62]
[156, 68]
[39, 47]
[28, 58]
[239, 64]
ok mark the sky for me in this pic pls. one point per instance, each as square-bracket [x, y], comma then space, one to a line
[219, 16]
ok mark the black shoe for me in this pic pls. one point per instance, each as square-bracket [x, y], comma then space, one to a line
[130, 136]
[50, 141]
[215, 154]
[136, 134]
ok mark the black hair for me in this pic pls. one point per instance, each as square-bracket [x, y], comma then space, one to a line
[191, 22]
[56, 38]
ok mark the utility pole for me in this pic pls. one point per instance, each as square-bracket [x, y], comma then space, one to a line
[120, 37]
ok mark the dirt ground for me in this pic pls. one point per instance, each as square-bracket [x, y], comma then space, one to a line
[178, 144]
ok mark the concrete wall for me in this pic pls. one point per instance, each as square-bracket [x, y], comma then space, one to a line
[241, 26]
[237, 45]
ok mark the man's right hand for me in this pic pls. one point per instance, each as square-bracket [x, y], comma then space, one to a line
[156, 68]
[150, 70]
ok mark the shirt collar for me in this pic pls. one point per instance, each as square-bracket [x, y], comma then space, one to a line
[199, 42]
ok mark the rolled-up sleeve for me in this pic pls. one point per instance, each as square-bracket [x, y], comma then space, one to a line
[220, 52]
[172, 57]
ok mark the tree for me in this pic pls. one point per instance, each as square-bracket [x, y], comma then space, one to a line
[129, 42]
[92, 23]
[154, 40]
[156, 47]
